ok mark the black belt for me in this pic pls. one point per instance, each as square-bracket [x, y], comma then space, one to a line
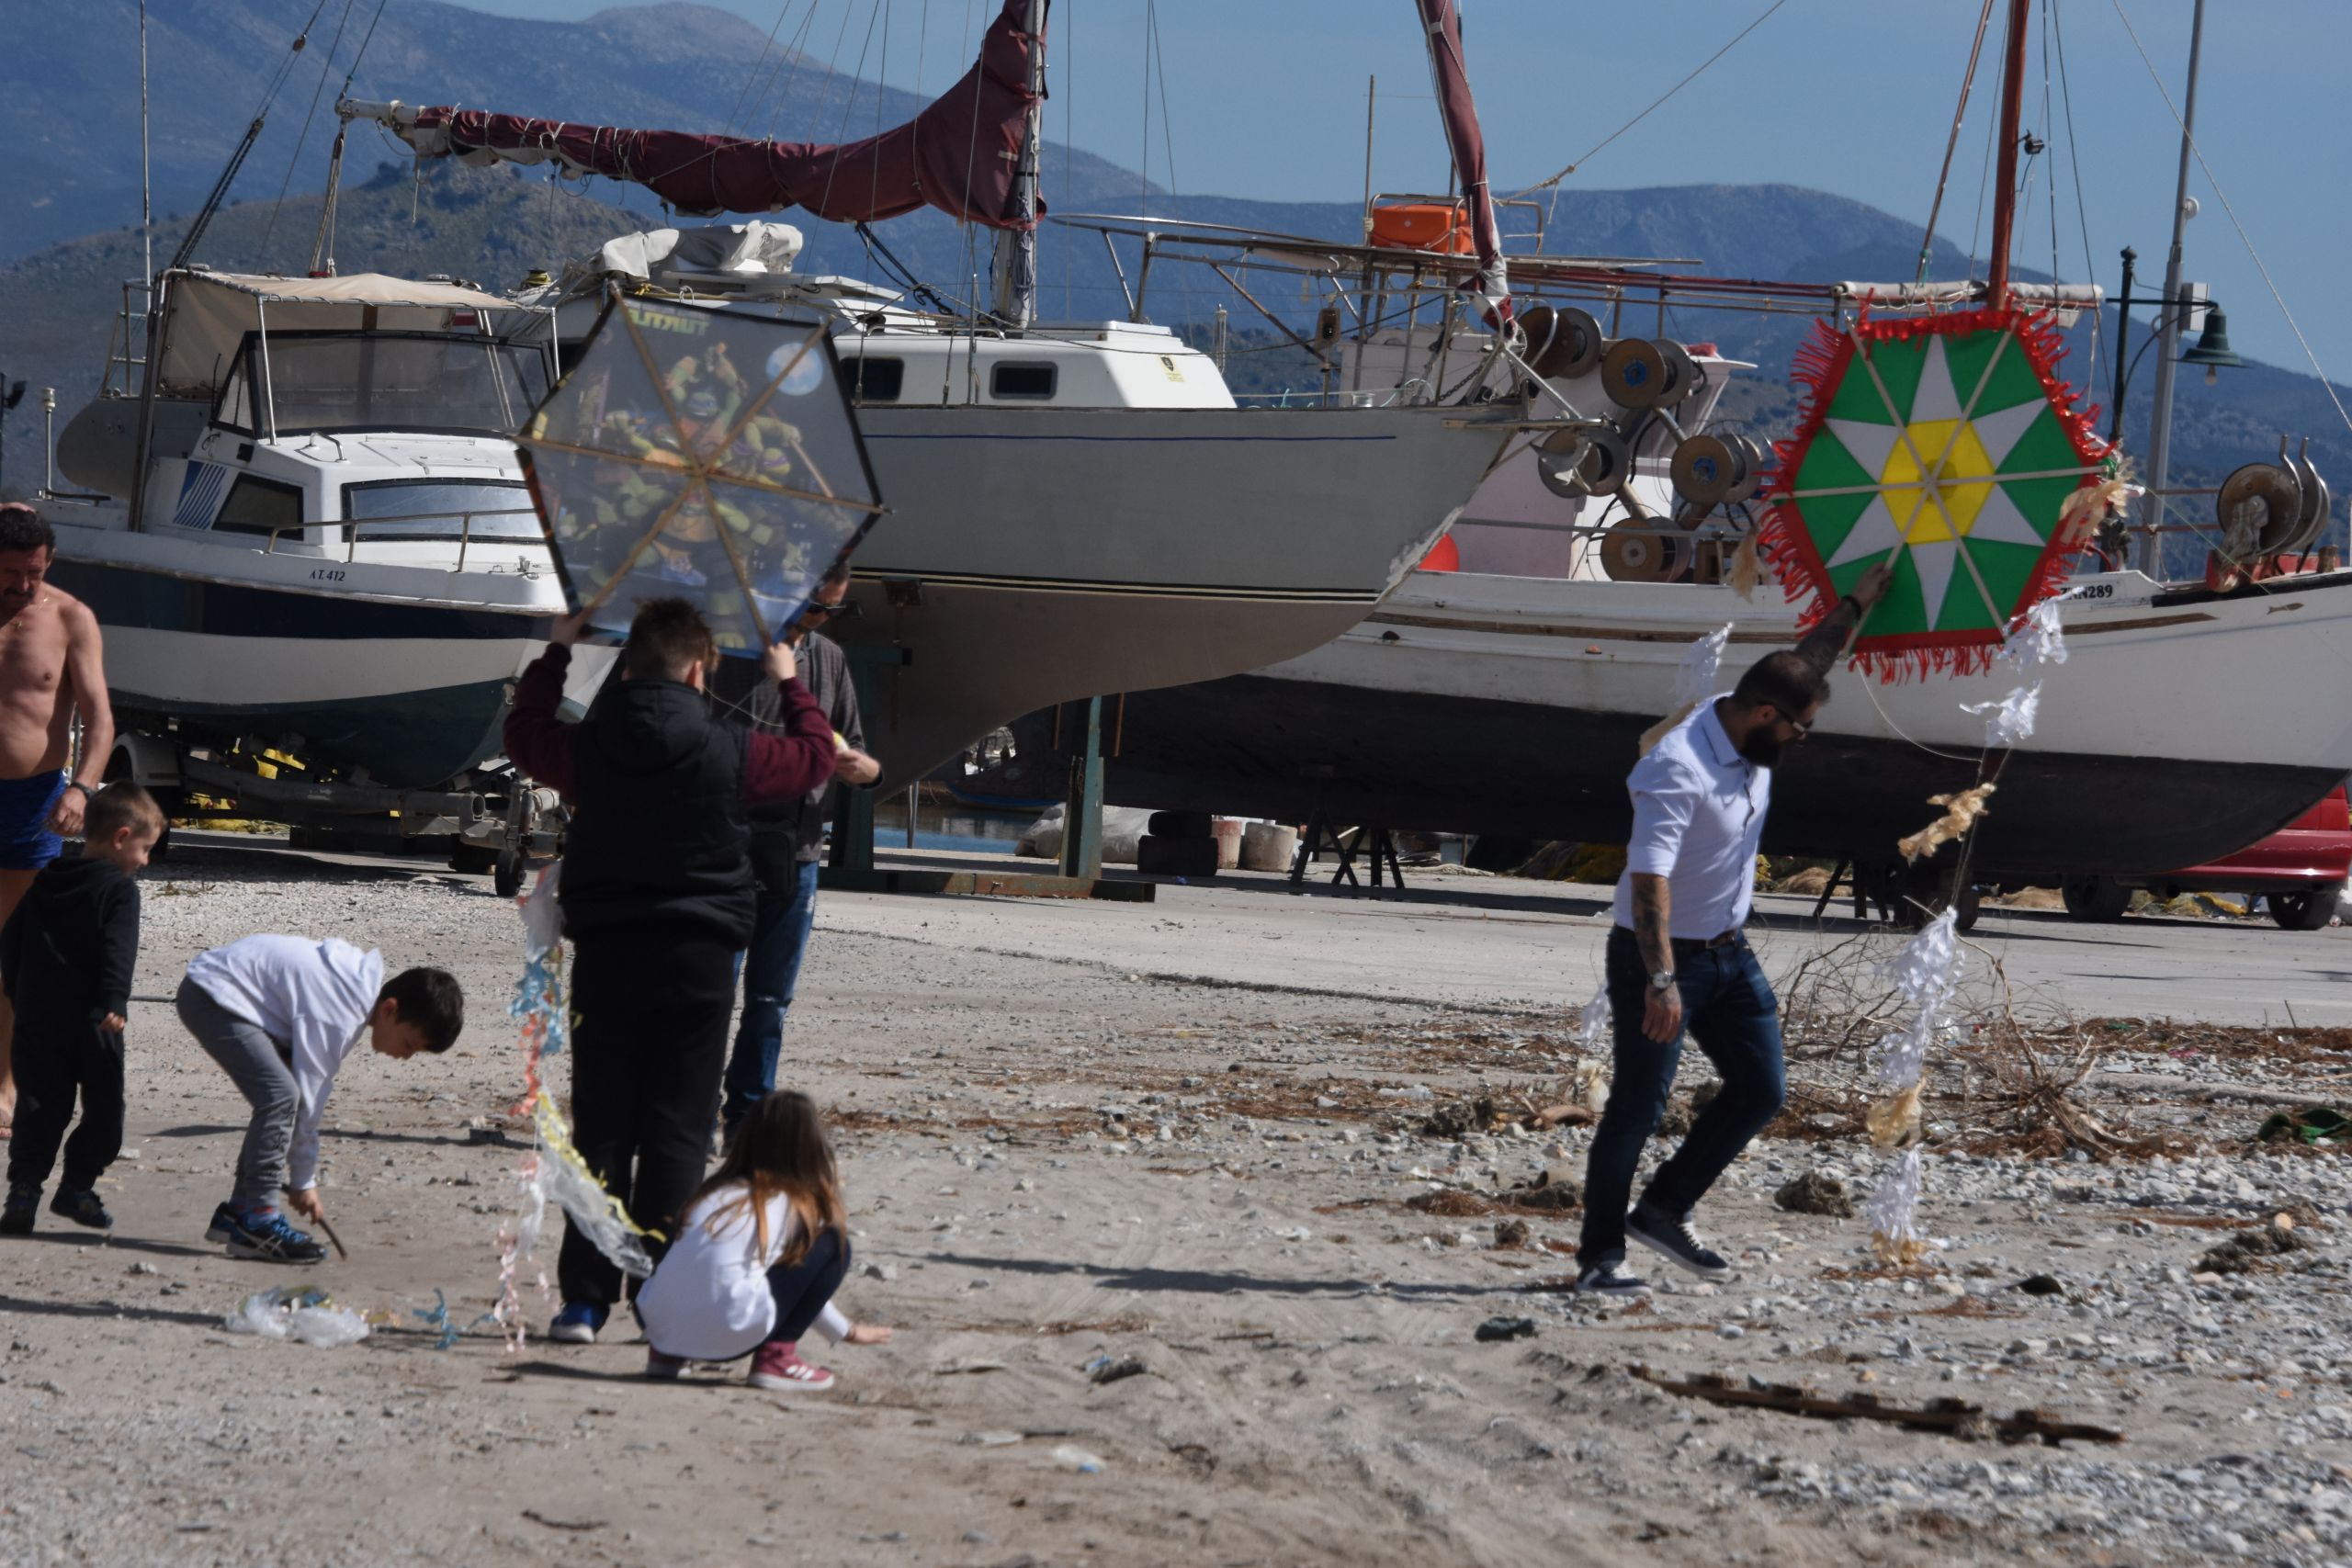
[1691, 944]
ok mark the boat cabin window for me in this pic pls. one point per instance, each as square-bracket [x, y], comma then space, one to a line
[446, 510]
[460, 383]
[874, 379]
[260, 506]
[1021, 381]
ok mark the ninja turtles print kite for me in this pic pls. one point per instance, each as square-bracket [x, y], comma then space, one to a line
[700, 454]
[1948, 446]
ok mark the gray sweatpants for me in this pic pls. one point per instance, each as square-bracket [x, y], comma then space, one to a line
[260, 1066]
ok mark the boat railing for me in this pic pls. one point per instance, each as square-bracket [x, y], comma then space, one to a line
[355, 528]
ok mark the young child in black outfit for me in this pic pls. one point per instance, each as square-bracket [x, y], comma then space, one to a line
[66, 958]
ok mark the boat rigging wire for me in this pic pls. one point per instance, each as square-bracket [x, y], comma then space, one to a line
[1959, 114]
[1159, 55]
[2074, 157]
[2244, 237]
[1695, 72]
[743, 94]
[212, 200]
[327, 69]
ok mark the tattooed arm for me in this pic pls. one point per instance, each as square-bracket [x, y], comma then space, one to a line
[1824, 645]
[1653, 908]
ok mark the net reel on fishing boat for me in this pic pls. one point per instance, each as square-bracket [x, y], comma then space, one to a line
[2269, 515]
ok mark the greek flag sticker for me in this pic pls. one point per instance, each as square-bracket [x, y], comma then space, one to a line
[201, 492]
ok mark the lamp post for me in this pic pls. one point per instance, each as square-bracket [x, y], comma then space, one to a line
[2212, 350]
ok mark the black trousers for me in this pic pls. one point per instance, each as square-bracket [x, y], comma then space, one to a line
[802, 1289]
[649, 1044]
[53, 1064]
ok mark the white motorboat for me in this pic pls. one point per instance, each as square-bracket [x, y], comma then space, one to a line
[306, 531]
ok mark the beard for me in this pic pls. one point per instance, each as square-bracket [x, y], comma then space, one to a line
[1761, 747]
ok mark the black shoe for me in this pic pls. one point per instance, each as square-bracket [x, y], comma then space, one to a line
[17, 1216]
[83, 1208]
[1678, 1242]
[1610, 1279]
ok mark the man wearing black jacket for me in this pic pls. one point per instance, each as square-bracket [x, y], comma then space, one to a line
[658, 901]
[66, 956]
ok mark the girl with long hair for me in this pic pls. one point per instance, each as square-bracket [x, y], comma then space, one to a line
[760, 1252]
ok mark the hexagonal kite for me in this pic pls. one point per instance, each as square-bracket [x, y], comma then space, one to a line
[703, 454]
[1948, 443]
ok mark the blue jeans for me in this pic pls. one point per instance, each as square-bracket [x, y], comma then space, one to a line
[1728, 1008]
[771, 973]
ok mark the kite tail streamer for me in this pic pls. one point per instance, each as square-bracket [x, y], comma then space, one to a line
[1893, 1234]
[1695, 683]
[554, 1170]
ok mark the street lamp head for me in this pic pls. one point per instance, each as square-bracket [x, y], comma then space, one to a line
[2212, 348]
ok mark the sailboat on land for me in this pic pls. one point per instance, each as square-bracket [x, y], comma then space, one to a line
[1076, 507]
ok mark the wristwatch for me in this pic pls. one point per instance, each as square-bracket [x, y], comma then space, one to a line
[1662, 981]
[87, 792]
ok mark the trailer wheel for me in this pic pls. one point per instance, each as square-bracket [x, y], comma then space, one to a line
[2309, 910]
[506, 877]
[2100, 899]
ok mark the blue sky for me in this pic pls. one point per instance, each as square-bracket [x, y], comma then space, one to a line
[1265, 98]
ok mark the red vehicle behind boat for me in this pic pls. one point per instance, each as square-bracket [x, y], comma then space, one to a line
[2299, 870]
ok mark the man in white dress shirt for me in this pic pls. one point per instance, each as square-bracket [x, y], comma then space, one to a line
[1679, 955]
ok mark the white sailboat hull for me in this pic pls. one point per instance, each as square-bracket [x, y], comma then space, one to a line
[1032, 555]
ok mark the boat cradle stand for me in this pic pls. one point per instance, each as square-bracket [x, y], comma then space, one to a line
[850, 866]
[1373, 841]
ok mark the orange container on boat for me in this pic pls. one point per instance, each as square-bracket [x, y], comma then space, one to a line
[1423, 226]
[1444, 556]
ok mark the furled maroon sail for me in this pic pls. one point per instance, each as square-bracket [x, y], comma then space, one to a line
[960, 154]
[1442, 23]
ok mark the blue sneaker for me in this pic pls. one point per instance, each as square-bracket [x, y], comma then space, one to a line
[23, 1205]
[83, 1208]
[578, 1323]
[268, 1237]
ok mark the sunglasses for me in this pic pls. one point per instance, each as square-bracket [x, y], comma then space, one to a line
[846, 610]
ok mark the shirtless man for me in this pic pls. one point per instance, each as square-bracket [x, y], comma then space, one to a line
[50, 666]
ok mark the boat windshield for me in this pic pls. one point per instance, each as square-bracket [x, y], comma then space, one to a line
[460, 383]
[442, 510]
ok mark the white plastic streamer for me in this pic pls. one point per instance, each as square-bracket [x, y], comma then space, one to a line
[1694, 678]
[2036, 637]
[1891, 1207]
[2011, 718]
[1592, 1024]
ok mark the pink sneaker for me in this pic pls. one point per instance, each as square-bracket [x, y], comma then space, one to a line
[665, 1369]
[777, 1365]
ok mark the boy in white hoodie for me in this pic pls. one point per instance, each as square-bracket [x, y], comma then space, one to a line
[279, 1014]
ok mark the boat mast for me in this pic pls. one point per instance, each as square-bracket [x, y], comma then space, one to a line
[2005, 188]
[146, 184]
[1017, 248]
[2168, 323]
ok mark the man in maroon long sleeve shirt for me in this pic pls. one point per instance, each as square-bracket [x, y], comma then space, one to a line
[658, 899]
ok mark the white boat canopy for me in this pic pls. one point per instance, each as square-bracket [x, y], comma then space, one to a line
[207, 315]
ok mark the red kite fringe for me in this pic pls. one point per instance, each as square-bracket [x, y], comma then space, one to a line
[1817, 370]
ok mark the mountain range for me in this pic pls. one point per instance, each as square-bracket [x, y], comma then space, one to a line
[69, 108]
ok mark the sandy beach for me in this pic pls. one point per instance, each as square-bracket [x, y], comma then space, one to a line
[1179, 1276]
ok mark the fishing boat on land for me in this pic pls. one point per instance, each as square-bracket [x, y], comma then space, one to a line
[1508, 697]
